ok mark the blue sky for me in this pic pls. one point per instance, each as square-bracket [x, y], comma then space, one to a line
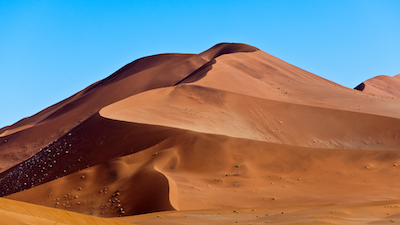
[50, 50]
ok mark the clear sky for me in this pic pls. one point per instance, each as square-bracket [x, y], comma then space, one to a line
[50, 50]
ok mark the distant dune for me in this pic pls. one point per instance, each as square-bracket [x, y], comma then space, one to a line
[382, 85]
[230, 135]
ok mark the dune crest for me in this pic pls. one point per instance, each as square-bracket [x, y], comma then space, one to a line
[16, 212]
[381, 85]
[226, 48]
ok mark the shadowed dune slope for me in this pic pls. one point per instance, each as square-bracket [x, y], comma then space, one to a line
[123, 186]
[95, 141]
[381, 85]
[226, 48]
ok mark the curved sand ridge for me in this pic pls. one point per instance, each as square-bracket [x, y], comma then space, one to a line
[232, 128]
[58, 119]
[214, 111]
[95, 141]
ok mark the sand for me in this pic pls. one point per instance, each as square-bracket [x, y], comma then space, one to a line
[230, 135]
[16, 212]
[383, 85]
[375, 213]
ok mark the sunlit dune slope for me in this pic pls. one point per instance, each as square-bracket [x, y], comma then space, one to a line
[215, 111]
[19, 213]
[384, 212]
[259, 74]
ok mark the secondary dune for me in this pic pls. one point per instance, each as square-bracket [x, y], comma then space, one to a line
[381, 85]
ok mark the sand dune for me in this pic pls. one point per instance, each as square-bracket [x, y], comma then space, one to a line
[381, 85]
[198, 138]
[95, 141]
[190, 171]
[261, 75]
[57, 120]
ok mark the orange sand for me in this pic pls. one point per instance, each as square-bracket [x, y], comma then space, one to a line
[230, 134]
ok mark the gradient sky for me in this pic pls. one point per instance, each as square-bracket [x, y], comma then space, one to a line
[50, 50]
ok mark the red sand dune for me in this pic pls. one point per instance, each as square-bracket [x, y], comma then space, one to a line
[204, 137]
[382, 85]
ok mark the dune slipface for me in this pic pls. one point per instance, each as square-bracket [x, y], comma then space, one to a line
[229, 135]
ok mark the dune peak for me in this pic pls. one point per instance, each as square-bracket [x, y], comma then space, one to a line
[226, 48]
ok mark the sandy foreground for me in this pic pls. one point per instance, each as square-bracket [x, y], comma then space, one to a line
[374, 213]
[232, 135]
[16, 212]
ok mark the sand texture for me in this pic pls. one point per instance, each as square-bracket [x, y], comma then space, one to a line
[384, 86]
[232, 135]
